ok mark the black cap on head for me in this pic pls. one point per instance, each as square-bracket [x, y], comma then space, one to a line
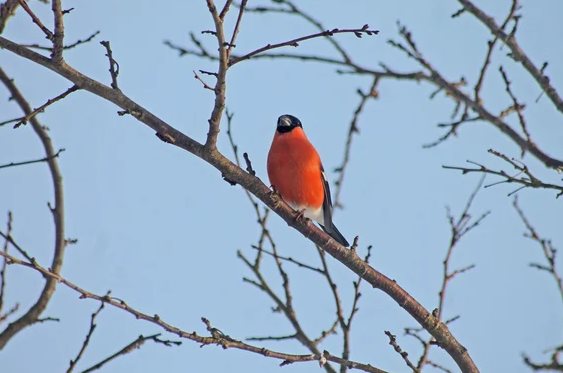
[288, 122]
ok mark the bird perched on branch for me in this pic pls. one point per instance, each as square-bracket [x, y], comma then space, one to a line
[296, 173]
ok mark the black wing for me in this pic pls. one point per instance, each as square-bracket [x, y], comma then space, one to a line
[327, 203]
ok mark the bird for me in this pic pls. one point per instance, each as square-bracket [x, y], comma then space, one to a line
[296, 173]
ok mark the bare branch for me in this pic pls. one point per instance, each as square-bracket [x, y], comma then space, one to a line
[453, 90]
[19, 249]
[290, 260]
[74, 361]
[286, 307]
[113, 65]
[58, 36]
[258, 189]
[58, 216]
[292, 9]
[69, 46]
[518, 107]
[549, 252]
[41, 109]
[352, 129]
[3, 269]
[553, 365]
[517, 53]
[273, 338]
[48, 34]
[220, 86]
[7, 9]
[295, 42]
[237, 28]
[459, 227]
[205, 85]
[10, 312]
[217, 337]
[135, 345]
[454, 126]
[491, 45]
[44, 159]
[527, 181]
[399, 350]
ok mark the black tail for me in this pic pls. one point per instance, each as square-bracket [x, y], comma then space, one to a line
[335, 233]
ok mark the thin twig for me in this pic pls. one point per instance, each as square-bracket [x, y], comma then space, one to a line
[404, 355]
[518, 107]
[41, 109]
[3, 269]
[286, 307]
[237, 28]
[526, 181]
[69, 46]
[135, 345]
[548, 250]
[295, 42]
[459, 227]
[8, 238]
[113, 65]
[290, 260]
[44, 159]
[205, 85]
[352, 130]
[10, 312]
[555, 364]
[491, 45]
[48, 34]
[89, 334]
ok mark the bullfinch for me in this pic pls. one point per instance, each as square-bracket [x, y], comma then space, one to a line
[297, 174]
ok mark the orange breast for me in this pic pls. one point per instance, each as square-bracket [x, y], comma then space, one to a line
[294, 169]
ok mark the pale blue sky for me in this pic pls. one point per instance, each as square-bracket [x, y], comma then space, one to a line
[161, 229]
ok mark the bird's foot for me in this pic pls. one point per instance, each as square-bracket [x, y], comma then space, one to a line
[300, 216]
[276, 196]
[274, 191]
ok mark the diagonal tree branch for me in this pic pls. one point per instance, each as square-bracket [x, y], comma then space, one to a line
[517, 53]
[458, 95]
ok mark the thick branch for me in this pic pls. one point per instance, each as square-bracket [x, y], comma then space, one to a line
[57, 210]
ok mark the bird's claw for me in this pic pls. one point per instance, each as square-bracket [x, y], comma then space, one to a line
[300, 216]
